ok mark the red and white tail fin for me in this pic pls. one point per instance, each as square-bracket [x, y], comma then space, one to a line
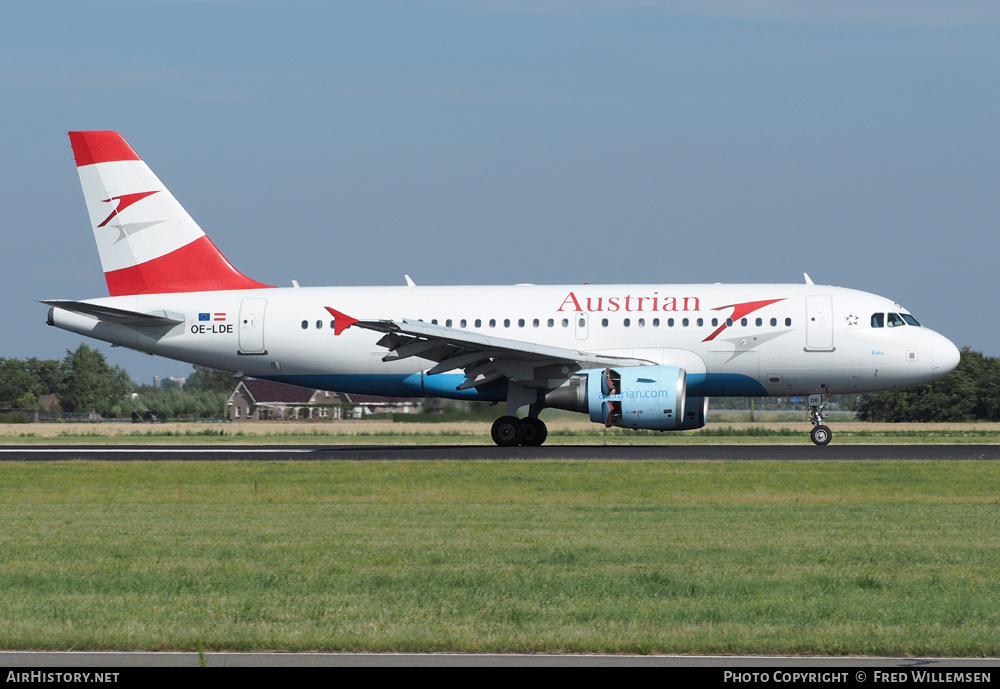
[147, 241]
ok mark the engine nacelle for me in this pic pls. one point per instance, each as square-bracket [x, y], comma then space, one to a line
[651, 397]
[695, 414]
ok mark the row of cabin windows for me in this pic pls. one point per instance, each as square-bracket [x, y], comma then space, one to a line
[627, 322]
[319, 325]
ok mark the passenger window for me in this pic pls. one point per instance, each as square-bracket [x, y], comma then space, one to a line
[895, 320]
[565, 322]
[759, 322]
[627, 322]
[604, 322]
[493, 322]
[774, 322]
[878, 320]
[551, 322]
[641, 322]
[656, 322]
[319, 325]
[461, 323]
[535, 323]
[788, 321]
[479, 322]
[305, 324]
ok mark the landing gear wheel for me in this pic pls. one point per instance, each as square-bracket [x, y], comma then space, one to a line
[507, 431]
[821, 435]
[534, 431]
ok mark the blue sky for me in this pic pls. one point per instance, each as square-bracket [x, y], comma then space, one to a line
[499, 142]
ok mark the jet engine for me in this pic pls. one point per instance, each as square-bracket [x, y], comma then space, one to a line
[651, 397]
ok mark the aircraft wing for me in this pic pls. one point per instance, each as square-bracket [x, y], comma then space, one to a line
[483, 358]
[108, 314]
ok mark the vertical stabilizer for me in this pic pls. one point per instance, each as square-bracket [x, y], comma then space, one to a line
[147, 241]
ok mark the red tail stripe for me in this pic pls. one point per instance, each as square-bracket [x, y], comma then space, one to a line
[100, 147]
[196, 267]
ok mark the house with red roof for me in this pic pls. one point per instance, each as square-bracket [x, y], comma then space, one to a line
[266, 400]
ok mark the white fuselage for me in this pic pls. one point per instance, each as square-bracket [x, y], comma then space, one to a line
[781, 339]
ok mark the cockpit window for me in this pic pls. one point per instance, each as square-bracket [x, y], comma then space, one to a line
[909, 319]
[878, 320]
[895, 320]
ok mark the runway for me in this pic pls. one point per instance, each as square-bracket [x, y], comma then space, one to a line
[137, 453]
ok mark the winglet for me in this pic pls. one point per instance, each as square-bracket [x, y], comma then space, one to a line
[341, 321]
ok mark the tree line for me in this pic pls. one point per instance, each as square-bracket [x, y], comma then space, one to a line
[84, 382]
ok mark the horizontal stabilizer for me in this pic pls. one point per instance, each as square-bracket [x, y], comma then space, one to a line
[120, 316]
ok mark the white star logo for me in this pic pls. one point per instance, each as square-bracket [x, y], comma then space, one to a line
[852, 319]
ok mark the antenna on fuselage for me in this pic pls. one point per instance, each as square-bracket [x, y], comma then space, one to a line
[809, 280]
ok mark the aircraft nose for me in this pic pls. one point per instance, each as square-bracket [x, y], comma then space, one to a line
[946, 356]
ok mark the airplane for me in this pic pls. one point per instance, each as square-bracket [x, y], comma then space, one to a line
[629, 356]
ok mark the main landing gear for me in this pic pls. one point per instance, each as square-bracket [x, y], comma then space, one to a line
[820, 434]
[509, 431]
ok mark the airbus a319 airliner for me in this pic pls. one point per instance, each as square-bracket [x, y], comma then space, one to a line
[631, 356]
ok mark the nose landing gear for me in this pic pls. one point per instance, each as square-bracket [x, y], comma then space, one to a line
[820, 434]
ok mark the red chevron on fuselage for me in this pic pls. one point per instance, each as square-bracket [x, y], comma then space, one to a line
[739, 311]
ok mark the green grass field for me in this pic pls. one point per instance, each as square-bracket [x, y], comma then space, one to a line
[897, 558]
[724, 429]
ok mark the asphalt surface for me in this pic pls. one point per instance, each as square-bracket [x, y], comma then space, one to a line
[490, 452]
